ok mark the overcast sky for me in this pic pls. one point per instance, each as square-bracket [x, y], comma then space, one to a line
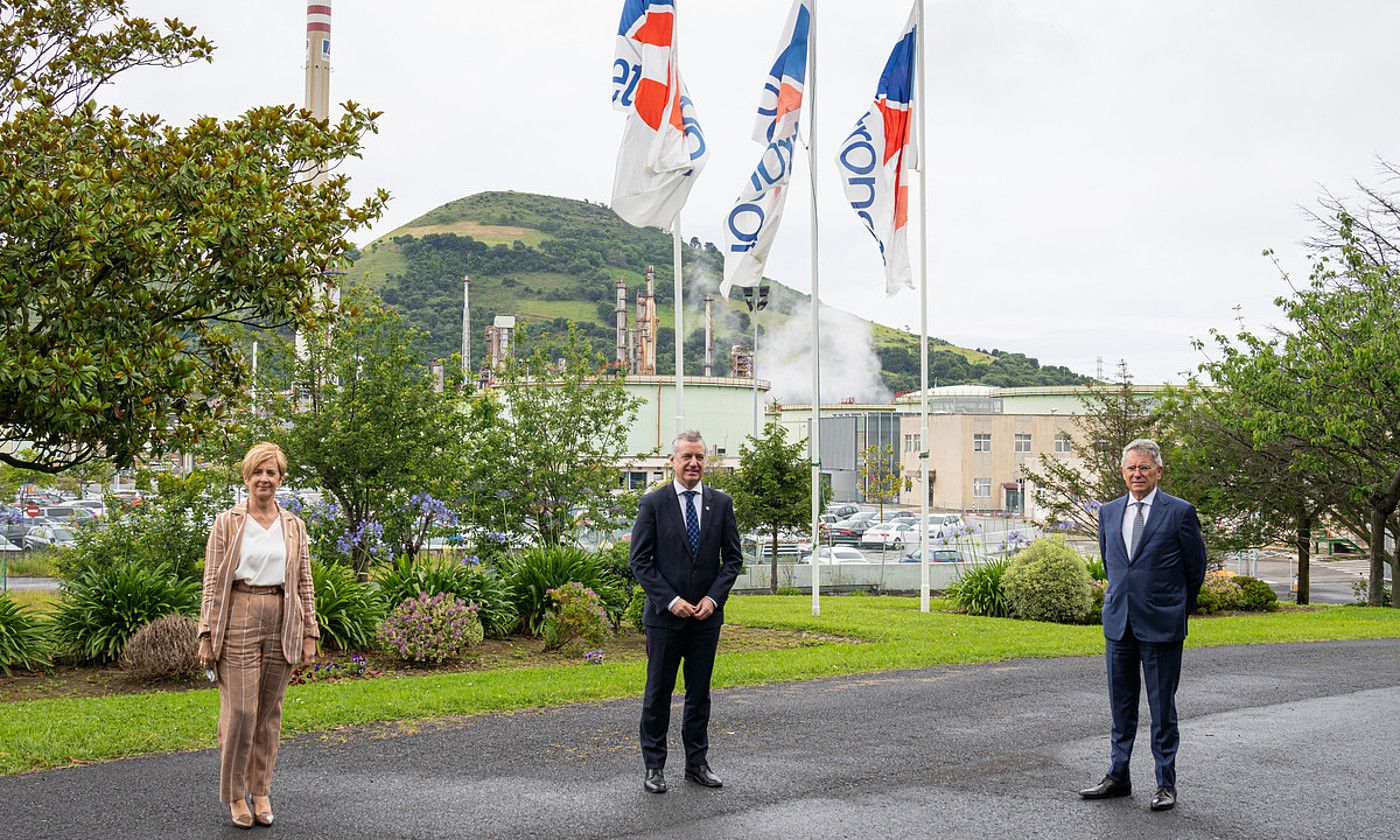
[1103, 174]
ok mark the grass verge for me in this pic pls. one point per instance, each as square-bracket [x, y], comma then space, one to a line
[51, 733]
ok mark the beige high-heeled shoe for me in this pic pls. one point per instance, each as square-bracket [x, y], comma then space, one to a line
[243, 820]
[262, 811]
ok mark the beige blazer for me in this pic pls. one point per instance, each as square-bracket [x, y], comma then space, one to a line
[221, 557]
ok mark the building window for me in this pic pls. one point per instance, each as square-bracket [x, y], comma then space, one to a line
[981, 488]
[634, 480]
[1023, 443]
[1062, 444]
[982, 443]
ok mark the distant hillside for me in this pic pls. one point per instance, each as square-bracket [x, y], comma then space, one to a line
[550, 261]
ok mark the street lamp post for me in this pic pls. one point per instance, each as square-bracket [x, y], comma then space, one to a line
[756, 299]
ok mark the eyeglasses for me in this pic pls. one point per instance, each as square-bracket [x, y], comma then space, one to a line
[1141, 469]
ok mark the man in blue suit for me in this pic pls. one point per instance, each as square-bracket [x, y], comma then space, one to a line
[685, 554]
[1156, 561]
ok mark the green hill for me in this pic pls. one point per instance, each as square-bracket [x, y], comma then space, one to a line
[551, 261]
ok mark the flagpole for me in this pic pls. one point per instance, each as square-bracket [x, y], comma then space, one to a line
[676, 242]
[810, 103]
[680, 332]
[919, 103]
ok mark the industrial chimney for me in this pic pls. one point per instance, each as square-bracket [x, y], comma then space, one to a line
[709, 335]
[620, 323]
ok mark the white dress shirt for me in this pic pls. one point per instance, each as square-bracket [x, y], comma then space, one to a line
[699, 497]
[1129, 512]
[262, 559]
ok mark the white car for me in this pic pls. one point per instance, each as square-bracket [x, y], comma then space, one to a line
[889, 535]
[828, 554]
[942, 524]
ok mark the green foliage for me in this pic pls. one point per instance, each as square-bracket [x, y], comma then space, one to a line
[360, 418]
[531, 574]
[167, 648]
[133, 246]
[24, 639]
[474, 584]
[636, 609]
[1255, 594]
[978, 591]
[430, 629]
[347, 610]
[1098, 589]
[169, 529]
[1048, 581]
[1071, 490]
[1096, 568]
[547, 458]
[577, 616]
[101, 608]
[1220, 591]
[772, 488]
[880, 475]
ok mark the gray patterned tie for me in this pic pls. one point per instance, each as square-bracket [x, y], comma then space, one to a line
[1137, 529]
[692, 521]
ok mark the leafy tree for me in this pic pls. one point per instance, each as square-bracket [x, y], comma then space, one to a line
[361, 419]
[549, 459]
[131, 249]
[772, 487]
[1332, 385]
[1072, 490]
[880, 476]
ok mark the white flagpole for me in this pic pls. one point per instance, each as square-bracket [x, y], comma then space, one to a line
[676, 245]
[919, 101]
[810, 104]
[680, 330]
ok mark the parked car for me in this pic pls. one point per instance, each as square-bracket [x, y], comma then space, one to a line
[893, 534]
[842, 510]
[15, 531]
[49, 536]
[936, 555]
[849, 530]
[838, 554]
[910, 515]
[940, 524]
[6, 545]
[68, 513]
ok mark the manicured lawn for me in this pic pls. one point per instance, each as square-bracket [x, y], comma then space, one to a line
[894, 635]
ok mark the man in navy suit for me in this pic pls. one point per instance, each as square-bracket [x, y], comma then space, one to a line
[1156, 561]
[685, 554]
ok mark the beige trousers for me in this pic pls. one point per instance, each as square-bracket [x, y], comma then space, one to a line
[253, 676]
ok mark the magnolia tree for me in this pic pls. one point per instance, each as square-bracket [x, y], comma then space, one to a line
[133, 252]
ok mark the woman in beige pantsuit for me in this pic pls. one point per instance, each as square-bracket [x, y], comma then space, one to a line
[256, 621]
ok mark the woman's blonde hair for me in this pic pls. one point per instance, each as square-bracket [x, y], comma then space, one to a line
[262, 452]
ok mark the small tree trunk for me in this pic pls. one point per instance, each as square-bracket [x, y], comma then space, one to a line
[1304, 554]
[773, 563]
[1376, 590]
[1394, 572]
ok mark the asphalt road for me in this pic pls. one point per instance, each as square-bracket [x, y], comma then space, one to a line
[1285, 741]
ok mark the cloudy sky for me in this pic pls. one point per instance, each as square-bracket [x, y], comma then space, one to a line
[1103, 174]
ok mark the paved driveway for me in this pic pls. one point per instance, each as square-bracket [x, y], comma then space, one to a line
[1283, 741]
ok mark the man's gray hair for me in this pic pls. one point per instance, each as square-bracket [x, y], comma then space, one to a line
[689, 436]
[1145, 445]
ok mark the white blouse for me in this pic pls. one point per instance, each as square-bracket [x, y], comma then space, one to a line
[262, 559]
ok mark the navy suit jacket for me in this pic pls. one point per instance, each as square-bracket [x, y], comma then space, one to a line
[1155, 590]
[662, 562]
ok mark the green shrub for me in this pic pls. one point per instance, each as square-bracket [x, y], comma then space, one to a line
[636, 609]
[474, 584]
[790, 590]
[1096, 569]
[1048, 581]
[169, 528]
[347, 610]
[577, 616]
[1361, 591]
[430, 629]
[38, 562]
[24, 639]
[102, 607]
[1255, 595]
[1219, 592]
[978, 591]
[167, 648]
[531, 574]
[1099, 590]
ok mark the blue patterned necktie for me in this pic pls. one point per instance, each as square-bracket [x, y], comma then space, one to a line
[692, 521]
[1137, 531]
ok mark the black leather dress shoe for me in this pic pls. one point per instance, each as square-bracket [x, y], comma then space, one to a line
[702, 776]
[655, 781]
[1108, 788]
[1164, 799]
